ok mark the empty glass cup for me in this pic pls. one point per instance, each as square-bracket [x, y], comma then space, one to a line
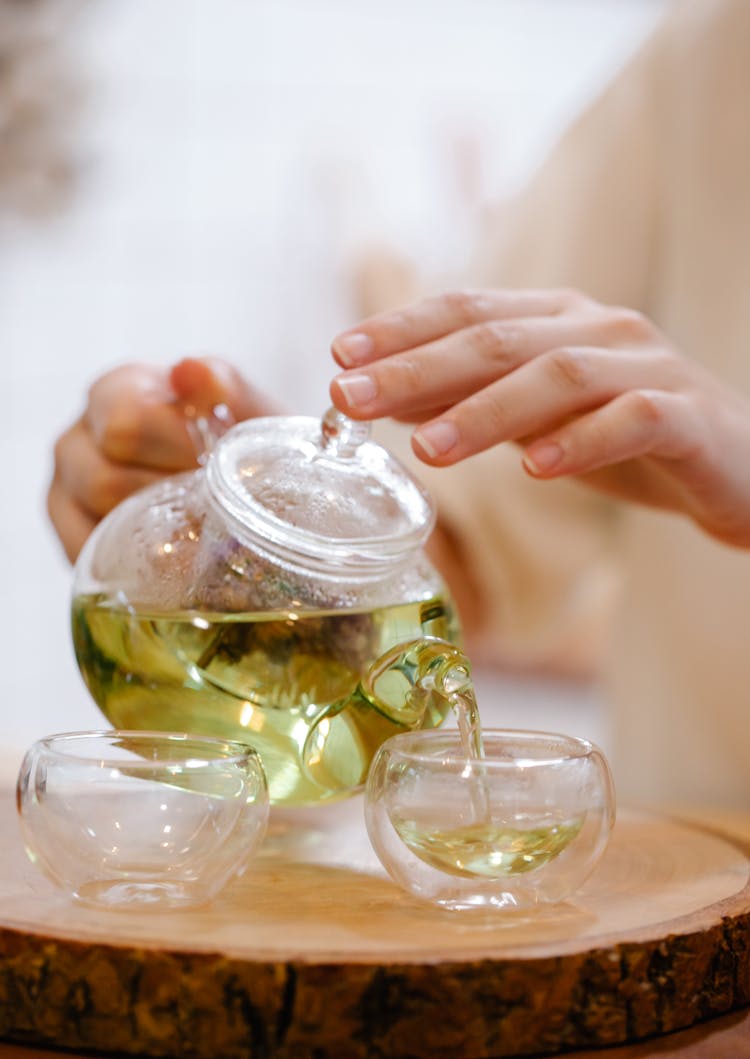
[521, 826]
[125, 819]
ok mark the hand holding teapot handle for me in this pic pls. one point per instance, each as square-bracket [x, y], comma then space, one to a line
[141, 422]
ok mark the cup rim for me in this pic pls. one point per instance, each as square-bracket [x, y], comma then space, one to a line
[61, 745]
[407, 745]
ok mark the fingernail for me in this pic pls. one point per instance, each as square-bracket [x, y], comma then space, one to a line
[543, 457]
[357, 389]
[353, 349]
[437, 438]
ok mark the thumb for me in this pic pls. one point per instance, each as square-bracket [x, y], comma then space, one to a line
[204, 383]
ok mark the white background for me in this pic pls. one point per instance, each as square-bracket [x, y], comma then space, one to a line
[237, 156]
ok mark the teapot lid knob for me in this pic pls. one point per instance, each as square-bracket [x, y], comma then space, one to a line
[341, 436]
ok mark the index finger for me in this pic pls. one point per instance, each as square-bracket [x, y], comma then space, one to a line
[432, 318]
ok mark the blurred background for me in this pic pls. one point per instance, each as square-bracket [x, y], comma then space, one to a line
[179, 177]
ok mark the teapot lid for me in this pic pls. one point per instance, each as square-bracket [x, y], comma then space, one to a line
[319, 489]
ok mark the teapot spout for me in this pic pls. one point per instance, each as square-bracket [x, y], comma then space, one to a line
[412, 677]
[413, 685]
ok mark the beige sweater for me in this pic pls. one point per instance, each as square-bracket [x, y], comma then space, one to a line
[645, 203]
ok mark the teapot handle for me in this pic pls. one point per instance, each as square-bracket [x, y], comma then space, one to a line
[205, 428]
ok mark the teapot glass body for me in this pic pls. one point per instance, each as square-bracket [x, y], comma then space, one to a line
[198, 609]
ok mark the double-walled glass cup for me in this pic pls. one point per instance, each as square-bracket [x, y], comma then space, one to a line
[521, 826]
[132, 819]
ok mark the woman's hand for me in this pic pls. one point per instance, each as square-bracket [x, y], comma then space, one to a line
[138, 426]
[585, 389]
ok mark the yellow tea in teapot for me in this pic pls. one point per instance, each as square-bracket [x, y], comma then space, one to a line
[287, 683]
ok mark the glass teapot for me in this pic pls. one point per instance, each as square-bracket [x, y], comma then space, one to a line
[277, 595]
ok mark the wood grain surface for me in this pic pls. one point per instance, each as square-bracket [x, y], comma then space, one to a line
[315, 954]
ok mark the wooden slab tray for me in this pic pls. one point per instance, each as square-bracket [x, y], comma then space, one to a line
[316, 954]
